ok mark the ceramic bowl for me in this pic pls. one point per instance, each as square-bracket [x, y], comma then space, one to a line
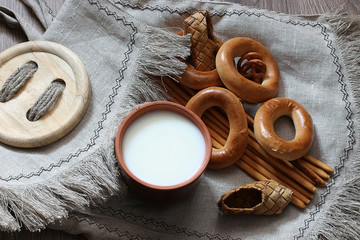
[153, 192]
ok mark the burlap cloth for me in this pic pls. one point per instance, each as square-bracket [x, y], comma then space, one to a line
[72, 179]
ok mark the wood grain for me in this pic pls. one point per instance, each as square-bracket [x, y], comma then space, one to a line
[10, 37]
[54, 63]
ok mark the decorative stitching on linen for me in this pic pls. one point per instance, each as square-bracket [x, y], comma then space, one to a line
[117, 18]
[351, 140]
[50, 11]
[107, 107]
[212, 13]
[160, 224]
[154, 8]
[338, 71]
[121, 234]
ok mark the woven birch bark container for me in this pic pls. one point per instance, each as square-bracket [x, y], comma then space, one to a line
[266, 197]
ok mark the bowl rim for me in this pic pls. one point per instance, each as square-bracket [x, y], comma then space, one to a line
[169, 106]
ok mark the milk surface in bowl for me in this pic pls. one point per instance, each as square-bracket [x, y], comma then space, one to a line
[163, 148]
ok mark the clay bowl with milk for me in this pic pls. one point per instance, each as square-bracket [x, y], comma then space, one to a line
[163, 149]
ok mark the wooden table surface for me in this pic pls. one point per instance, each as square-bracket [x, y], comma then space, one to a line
[10, 37]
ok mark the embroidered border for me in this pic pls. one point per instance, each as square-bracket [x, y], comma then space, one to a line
[50, 11]
[107, 107]
[342, 159]
[351, 139]
[121, 234]
[161, 224]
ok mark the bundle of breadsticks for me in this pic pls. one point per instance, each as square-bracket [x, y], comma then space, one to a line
[300, 174]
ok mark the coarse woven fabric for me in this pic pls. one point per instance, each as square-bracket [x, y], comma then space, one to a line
[319, 66]
[318, 58]
[41, 185]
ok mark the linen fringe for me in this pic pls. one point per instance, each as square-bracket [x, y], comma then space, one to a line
[341, 218]
[95, 178]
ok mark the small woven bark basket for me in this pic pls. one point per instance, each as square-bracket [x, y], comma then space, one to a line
[266, 197]
[204, 45]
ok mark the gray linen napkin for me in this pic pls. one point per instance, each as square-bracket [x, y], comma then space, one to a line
[318, 58]
[318, 62]
[41, 185]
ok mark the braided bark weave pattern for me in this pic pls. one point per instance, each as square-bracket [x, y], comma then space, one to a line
[266, 197]
[204, 45]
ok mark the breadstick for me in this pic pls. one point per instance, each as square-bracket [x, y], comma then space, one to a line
[286, 164]
[217, 137]
[208, 114]
[269, 175]
[315, 169]
[174, 94]
[281, 166]
[210, 124]
[309, 172]
[216, 144]
[250, 120]
[279, 174]
[318, 163]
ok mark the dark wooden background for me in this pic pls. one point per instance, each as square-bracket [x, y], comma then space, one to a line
[10, 37]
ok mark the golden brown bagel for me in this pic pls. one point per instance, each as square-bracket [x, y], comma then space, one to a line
[198, 80]
[265, 134]
[237, 140]
[245, 89]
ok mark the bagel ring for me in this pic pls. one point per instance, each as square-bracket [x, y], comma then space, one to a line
[237, 140]
[265, 134]
[198, 80]
[242, 87]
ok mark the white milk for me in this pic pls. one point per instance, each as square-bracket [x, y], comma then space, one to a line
[163, 148]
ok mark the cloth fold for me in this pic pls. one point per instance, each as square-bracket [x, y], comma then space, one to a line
[14, 20]
[41, 10]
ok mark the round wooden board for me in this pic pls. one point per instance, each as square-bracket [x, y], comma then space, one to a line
[55, 62]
